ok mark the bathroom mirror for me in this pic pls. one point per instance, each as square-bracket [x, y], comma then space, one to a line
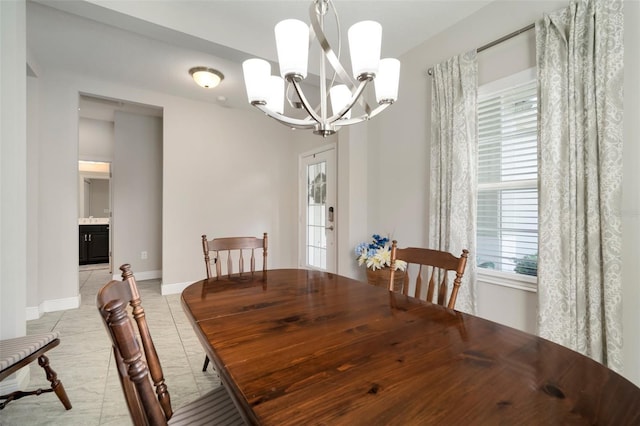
[94, 189]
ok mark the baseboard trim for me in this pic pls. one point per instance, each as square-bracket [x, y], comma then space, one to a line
[35, 312]
[141, 276]
[17, 381]
[174, 288]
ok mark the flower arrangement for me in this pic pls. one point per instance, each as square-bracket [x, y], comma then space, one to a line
[377, 254]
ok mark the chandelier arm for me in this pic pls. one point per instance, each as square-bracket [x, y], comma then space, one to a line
[381, 107]
[326, 47]
[339, 31]
[305, 102]
[288, 121]
[293, 103]
[363, 117]
[317, 30]
[354, 98]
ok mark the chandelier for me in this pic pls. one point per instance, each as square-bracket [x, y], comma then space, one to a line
[293, 39]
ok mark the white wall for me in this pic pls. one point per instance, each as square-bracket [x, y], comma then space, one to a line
[96, 139]
[399, 154]
[631, 193]
[57, 144]
[225, 172]
[137, 194]
[353, 146]
[32, 189]
[13, 169]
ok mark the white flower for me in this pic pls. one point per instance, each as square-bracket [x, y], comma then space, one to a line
[401, 265]
[377, 254]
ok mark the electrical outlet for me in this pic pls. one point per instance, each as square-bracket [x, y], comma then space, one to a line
[144, 255]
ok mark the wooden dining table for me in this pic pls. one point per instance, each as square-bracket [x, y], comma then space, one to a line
[302, 347]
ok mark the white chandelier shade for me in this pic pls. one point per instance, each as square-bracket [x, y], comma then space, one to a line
[340, 96]
[386, 82]
[292, 44]
[257, 73]
[267, 92]
[365, 39]
[275, 101]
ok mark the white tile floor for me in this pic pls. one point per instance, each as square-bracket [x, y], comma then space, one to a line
[84, 362]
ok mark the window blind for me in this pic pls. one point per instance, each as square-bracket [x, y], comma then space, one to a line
[507, 221]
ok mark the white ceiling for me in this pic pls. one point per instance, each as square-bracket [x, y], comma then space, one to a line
[151, 44]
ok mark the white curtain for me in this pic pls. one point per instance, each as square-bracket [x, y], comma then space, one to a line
[454, 152]
[580, 73]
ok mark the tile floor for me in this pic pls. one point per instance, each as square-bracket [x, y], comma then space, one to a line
[85, 366]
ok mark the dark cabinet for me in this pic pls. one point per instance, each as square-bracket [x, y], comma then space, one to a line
[94, 244]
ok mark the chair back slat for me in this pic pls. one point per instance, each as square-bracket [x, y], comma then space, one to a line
[125, 342]
[418, 289]
[438, 265]
[231, 247]
[430, 287]
[442, 289]
[230, 262]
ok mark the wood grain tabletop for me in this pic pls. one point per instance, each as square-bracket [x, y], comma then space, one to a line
[299, 347]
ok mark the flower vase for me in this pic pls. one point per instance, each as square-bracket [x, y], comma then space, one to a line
[381, 277]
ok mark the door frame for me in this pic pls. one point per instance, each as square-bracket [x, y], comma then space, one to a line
[302, 204]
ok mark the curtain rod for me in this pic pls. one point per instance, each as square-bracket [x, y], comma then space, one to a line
[498, 41]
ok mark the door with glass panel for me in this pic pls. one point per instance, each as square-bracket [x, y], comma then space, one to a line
[318, 210]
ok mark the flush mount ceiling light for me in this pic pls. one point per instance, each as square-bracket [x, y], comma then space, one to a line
[206, 77]
[293, 39]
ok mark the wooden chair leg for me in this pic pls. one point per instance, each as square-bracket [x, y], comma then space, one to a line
[56, 384]
[206, 363]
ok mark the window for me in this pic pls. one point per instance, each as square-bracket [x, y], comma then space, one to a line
[316, 221]
[507, 222]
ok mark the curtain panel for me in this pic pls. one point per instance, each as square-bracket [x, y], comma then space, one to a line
[580, 79]
[454, 152]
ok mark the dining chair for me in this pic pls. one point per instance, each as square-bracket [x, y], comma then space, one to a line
[230, 246]
[438, 265]
[19, 352]
[139, 368]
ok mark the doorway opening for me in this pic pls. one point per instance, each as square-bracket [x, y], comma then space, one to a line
[94, 214]
[318, 214]
[126, 136]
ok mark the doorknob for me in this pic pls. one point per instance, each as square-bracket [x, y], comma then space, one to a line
[330, 228]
